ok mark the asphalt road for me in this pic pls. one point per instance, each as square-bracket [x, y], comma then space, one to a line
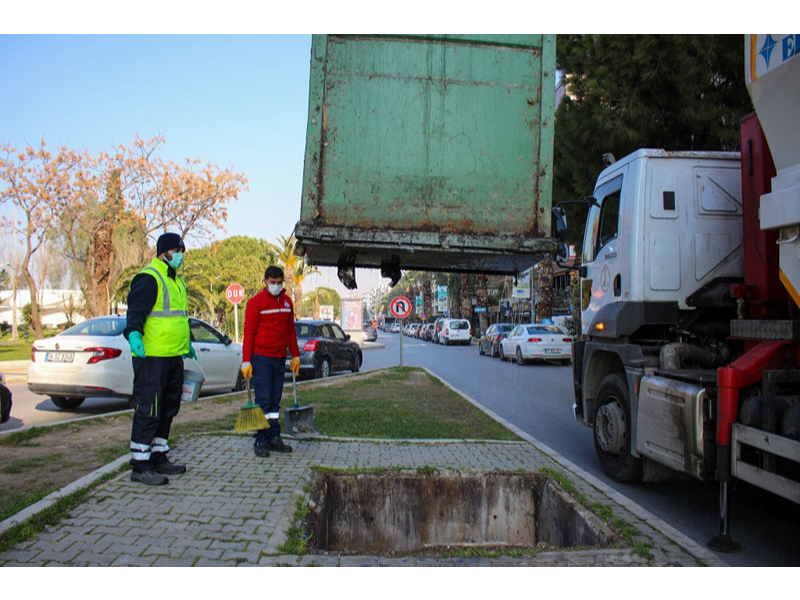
[537, 398]
[31, 409]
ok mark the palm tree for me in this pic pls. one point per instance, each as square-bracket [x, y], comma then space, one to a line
[284, 254]
[302, 271]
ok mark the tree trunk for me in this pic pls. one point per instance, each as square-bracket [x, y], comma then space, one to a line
[427, 307]
[298, 300]
[36, 315]
[466, 296]
[544, 284]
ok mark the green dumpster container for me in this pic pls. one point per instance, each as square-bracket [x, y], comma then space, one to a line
[429, 152]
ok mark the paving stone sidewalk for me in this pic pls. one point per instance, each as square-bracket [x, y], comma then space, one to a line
[234, 509]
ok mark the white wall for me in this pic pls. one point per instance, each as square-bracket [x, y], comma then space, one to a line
[52, 305]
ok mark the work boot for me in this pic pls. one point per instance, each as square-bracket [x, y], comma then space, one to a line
[149, 477]
[277, 445]
[162, 465]
[261, 450]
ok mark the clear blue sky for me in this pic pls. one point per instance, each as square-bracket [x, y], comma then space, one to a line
[236, 101]
[233, 101]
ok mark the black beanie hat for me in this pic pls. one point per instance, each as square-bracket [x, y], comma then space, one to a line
[168, 241]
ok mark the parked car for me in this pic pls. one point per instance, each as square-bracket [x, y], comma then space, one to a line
[536, 342]
[489, 343]
[437, 329]
[370, 333]
[324, 349]
[5, 400]
[93, 359]
[427, 331]
[455, 331]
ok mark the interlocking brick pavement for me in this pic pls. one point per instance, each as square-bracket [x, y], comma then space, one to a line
[232, 508]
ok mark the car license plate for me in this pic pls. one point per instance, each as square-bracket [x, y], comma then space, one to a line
[63, 357]
[552, 351]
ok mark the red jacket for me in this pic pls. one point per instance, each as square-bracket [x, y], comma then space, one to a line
[269, 326]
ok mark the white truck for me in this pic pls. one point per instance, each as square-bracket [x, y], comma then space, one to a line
[689, 357]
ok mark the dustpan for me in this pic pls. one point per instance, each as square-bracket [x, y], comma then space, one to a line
[299, 420]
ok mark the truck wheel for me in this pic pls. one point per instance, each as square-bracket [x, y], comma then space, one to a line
[67, 402]
[612, 430]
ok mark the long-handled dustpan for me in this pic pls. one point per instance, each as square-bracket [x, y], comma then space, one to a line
[299, 419]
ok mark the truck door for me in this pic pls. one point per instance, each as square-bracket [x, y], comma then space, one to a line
[601, 281]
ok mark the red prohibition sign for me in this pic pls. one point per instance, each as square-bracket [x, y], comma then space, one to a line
[400, 307]
[234, 293]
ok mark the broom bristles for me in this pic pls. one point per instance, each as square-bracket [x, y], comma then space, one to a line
[251, 419]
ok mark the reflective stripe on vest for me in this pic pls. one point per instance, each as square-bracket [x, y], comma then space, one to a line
[166, 312]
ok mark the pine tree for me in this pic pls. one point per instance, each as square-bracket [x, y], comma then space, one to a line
[624, 92]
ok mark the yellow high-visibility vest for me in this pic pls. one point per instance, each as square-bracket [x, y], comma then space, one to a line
[166, 330]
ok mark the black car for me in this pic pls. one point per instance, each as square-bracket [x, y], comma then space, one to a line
[490, 341]
[5, 400]
[324, 349]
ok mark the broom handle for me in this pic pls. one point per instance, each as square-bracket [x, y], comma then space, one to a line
[294, 388]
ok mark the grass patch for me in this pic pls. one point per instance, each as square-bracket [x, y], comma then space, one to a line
[13, 503]
[18, 466]
[296, 538]
[396, 404]
[488, 552]
[565, 483]
[17, 350]
[23, 438]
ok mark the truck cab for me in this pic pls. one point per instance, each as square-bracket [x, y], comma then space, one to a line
[663, 226]
[662, 247]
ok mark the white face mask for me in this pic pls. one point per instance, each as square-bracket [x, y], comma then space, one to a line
[275, 289]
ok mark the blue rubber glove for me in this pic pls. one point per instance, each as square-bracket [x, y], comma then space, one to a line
[191, 354]
[137, 345]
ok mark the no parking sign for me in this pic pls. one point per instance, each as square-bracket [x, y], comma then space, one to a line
[400, 307]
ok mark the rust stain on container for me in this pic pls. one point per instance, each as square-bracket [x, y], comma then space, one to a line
[422, 135]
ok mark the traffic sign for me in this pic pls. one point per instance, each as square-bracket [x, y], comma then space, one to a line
[234, 293]
[400, 307]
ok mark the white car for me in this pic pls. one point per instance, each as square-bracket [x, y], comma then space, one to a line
[455, 331]
[536, 342]
[93, 360]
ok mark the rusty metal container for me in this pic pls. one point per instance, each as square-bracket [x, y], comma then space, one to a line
[428, 152]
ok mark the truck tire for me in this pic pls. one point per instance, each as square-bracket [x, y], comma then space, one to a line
[612, 440]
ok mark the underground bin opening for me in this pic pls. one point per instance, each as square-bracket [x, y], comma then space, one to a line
[397, 511]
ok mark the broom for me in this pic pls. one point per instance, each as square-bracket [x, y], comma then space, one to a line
[251, 417]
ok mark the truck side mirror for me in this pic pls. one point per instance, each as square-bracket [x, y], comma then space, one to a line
[559, 224]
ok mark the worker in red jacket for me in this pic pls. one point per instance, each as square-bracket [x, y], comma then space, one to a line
[269, 336]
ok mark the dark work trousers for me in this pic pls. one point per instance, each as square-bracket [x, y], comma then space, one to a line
[157, 388]
[268, 374]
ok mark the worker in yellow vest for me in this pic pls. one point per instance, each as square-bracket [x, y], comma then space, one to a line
[157, 330]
